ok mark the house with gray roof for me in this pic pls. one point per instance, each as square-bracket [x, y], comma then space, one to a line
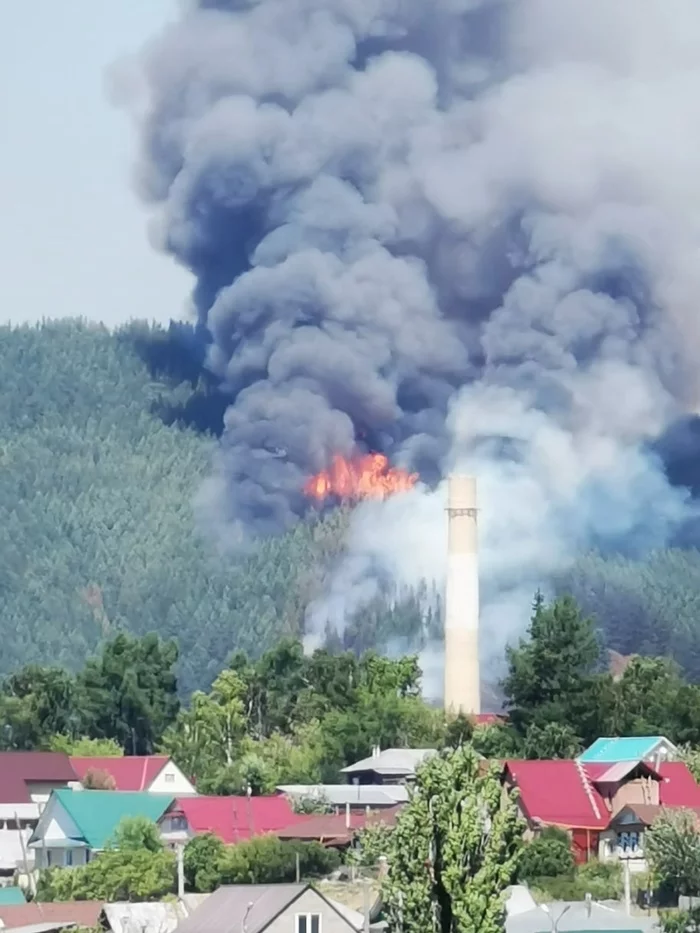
[388, 766]
[271, 908]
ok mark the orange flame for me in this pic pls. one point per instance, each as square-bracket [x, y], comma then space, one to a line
[365, 477]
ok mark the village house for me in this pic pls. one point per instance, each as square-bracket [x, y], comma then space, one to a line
[272, 908]
[594, 802]
[652, 748]
[26, 781]
[76, 824]
[156, 774]
[232, 819]
[387, 766]
[336, 830]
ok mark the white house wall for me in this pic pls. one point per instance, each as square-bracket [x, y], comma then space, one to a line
[170, 780]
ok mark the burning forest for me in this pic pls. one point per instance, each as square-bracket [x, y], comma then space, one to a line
[467, 227]
[367, 476]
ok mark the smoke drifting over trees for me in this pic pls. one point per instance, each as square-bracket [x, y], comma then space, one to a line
[462, 232]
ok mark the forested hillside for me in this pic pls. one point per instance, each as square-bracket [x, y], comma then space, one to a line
[104, 439]
[97, 533]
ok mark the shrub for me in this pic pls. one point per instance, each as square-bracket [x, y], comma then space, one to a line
[547, 856]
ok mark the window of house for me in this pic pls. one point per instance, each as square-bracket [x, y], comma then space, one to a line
[178, 824]
[69, 856]
[169, 778]
[628, 842]
[308, 923]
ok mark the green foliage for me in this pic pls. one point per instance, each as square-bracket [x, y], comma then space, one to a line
[291, 718]
[497, 740]
[260, 860]
[101, 457]
[552, 673]
[602, 880]
[372, 842]
[551, 740]
[84, 747]
[135, 833]
[680, 921]
[201, 860]
[134, 867]
[672, 849]
[548, 855]
[454, 850]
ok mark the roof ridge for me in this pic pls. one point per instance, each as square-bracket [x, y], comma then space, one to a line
[587, 787]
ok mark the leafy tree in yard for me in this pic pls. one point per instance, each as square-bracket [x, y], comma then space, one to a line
[201, 860]
[129, 692]
[207, 736]
[672, 848]
[135, 833]
[135, 867]
[547, 856]
[497, 740]
[372, 842]
[454, 850]
[551, 740]
[459, 730]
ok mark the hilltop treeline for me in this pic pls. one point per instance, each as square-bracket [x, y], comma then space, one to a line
[104, 440]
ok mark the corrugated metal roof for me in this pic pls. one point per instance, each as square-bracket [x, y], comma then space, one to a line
[574, 917]
[82, 913]
[333, 828]
[234, 819]
[130, 773]
[230, 905]
[555, 792]
[625, 748]
[613, 774]
[359, 795]
[156, 917]
[256, 904]
[17, 768]
[12, 895]
[392, 761]
[97, 813]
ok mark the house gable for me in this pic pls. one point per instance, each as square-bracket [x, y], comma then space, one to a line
[171, 780]
[311, 901]
[56, 827]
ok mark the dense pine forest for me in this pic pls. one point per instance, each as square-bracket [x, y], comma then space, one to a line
[104, 440]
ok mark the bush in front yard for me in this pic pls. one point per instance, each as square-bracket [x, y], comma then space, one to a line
[547, 856]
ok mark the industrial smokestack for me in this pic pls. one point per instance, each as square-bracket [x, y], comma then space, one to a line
[462, 681]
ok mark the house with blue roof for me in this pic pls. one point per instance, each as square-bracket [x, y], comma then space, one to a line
[650, 748]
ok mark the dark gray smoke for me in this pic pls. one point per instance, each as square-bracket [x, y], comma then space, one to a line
[462, 232]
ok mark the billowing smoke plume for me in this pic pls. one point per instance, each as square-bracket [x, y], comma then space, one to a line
[465, 233]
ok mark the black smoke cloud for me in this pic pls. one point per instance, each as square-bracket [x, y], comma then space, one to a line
[455, 227]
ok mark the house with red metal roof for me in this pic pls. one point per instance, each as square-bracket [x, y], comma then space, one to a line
[26, 782]
[232, 819]
[156, 774]
[596, 803]
[337, 829]
[29, 777]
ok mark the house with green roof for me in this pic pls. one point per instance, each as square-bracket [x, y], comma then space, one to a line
[75, 824]
[649, 748]
[11, 895]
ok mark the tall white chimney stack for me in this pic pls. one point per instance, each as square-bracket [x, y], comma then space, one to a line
[462, 681]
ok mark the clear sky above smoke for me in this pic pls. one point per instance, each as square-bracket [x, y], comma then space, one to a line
[73, 239]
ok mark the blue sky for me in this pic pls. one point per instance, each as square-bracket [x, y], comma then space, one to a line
[73, 237]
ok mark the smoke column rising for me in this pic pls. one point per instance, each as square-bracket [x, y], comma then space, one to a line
[468, 231]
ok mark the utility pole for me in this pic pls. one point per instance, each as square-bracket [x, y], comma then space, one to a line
[180, 852]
